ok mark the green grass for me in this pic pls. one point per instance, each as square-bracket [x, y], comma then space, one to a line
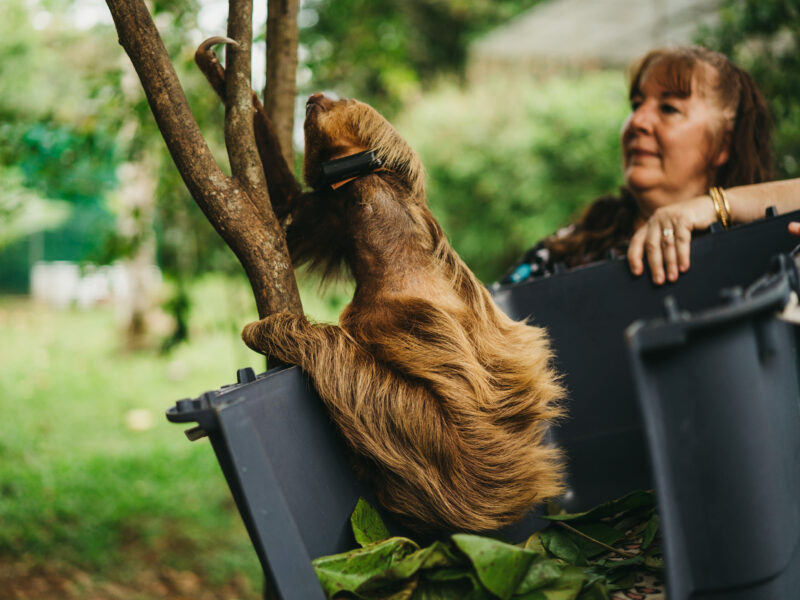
[78, 484]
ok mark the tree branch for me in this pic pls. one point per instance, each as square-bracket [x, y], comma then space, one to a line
[245, 222]
[281, 88]
[283, 187]
[140, 39]
[239, 138]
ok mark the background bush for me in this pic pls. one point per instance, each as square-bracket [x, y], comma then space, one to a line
[510, 162]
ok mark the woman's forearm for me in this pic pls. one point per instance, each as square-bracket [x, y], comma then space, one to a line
[750, 202]
[664, 240]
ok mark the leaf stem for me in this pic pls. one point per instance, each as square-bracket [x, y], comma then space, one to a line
[595, 541]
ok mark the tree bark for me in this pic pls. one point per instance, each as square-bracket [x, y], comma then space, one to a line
[281, 88]
[282, 185]
[237, 206]
[239, 138]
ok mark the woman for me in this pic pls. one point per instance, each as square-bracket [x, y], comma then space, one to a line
[695, 149]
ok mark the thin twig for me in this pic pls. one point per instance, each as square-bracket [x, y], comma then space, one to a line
[594, 541]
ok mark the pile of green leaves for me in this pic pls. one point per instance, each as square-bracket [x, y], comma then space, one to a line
[582, 556]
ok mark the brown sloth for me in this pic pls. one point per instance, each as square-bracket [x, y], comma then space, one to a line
[444, 400]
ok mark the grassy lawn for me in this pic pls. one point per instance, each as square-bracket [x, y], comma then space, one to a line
[98, 492]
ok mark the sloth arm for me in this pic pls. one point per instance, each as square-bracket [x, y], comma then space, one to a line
[345, 376]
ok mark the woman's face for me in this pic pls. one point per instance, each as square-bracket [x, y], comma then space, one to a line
[671, 145]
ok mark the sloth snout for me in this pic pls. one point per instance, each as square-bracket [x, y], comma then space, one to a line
[318, 101]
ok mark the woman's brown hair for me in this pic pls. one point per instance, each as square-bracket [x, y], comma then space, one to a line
[608, 223]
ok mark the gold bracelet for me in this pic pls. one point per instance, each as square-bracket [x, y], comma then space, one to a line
[719, 201]
[712, 191]
[727, 206]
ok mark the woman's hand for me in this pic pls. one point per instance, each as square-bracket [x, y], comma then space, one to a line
[666, 237]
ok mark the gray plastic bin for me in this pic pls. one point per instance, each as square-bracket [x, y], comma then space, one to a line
[719, 391]
[586, 311]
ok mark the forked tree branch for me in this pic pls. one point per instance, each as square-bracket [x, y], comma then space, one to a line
[282, 185]
[235, 206]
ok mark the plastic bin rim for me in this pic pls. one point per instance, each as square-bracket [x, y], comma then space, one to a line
[644, 335]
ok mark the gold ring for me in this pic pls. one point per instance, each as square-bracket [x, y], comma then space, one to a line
[668, 233]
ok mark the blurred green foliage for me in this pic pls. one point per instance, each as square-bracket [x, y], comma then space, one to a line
[22, 211]
[763, 37]
[53, 147]
[84, 484]
[80, 482]
[508, 162]
[384, 52]
[72, 162]
[71, 111]
[505, 166]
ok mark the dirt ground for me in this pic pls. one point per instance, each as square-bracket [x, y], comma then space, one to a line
[25, 580]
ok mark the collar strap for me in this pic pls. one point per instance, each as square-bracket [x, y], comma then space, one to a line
[339, 171]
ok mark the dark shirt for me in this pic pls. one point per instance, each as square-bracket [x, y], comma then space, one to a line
[603, 232]
[536, 262]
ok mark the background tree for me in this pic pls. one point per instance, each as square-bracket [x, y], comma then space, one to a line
[52, 145]
[763, 36]
[384, 52]
[72, 113]
[237, 206]
[281, 87]
[521, 169]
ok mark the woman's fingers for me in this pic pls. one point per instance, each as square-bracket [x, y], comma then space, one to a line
[636, 251]
[683, 244]
[649, 243]
[665, 242]
[669, 252]
[652, 247]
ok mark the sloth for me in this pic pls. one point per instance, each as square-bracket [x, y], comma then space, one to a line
[444, 400]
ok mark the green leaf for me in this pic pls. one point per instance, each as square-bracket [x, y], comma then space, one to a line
[542, 572]
[534, 544]
[567, 587]
[597, 531]
[633, 522]
[562, 545]
[653, 562]
[437, 555]
[534, 595]
[368, 567]
[595, 591]
[368, 527]
[650, 531]
[610, 566]
[632, 501]
[451, 573]
[450, 584]
[500, 566]
[622, 579]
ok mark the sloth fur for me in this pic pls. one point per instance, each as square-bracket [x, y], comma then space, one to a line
[444, 400]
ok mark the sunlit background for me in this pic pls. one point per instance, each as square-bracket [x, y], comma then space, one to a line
[117, 298]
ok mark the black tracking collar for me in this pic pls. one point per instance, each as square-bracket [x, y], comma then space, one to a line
[339, 171]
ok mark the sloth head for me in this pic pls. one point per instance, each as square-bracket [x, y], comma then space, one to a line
[338, 128]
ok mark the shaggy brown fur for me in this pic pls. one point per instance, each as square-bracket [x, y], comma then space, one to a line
[444, 398]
